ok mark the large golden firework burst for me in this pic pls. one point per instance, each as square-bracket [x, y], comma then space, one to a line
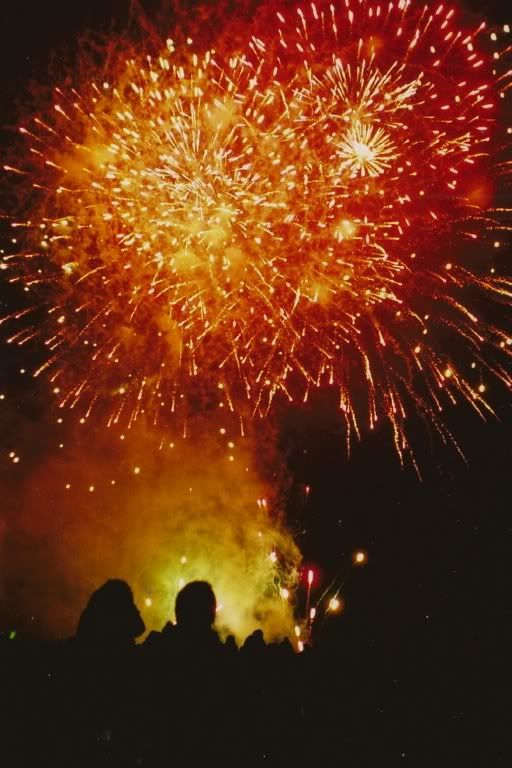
[256, 223]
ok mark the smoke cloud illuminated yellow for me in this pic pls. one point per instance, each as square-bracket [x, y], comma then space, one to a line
[157, 518]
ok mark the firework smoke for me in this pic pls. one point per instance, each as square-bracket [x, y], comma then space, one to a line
[157, 520]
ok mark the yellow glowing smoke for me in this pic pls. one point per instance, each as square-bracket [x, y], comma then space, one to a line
[157, 518]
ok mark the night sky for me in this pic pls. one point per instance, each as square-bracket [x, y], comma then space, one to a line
[439, 550]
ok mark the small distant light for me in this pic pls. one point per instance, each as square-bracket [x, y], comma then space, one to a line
[273, 557]
[300, 646]
[417, 349]
[360, 557]
[56, 390]
[497, 243]
[12, 455]
[311, 576]
[231, 445]
[448, 373]
[148, 601]
[482, 388]
[136, 470]
[222, 431]
[16, 460]
[68, 486]
[2, 397]
[334, 604]
[312, 613]
[183, 560]
[296, 629]
[448, 266]
[506, 28]
[91, 489]
[285, 593]
[113, 482]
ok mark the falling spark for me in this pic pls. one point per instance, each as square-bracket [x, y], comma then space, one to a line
[334, 604]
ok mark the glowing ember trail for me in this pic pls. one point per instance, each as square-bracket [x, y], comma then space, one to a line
[225, 227]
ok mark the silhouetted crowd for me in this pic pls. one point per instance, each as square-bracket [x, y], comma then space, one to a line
[183, 697]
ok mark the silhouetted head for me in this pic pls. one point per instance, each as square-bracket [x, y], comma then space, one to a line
[196, 606]
[111, 617]
[255, 643]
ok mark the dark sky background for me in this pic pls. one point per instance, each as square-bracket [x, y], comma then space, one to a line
[439, 550]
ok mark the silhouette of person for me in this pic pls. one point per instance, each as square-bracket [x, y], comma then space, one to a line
[110, 619]
[192, 679]
[195, 609]
[102, 674]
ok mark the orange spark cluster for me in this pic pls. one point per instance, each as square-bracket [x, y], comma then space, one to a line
[221, 228]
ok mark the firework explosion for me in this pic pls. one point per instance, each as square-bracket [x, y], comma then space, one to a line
[219, 228]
